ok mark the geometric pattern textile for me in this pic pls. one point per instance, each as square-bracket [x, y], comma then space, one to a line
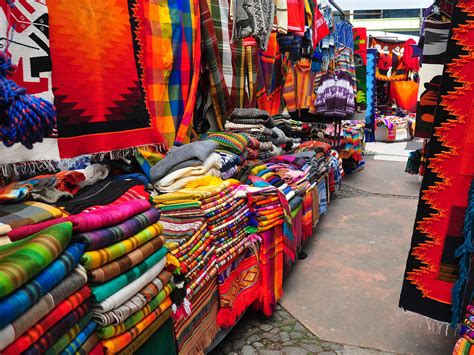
[432, 266]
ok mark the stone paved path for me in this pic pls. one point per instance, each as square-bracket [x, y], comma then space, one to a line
[280, 334]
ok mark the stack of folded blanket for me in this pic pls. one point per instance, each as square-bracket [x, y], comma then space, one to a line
[184, 164]
[258, 124]
[465, 343]
[130, 285]
[232, 148]
[266, 208]
[15, 215]
[45, 304]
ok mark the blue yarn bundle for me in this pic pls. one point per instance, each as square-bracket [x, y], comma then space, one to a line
[24, 118]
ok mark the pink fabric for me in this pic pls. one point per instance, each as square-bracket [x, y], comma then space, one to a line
[85, 222]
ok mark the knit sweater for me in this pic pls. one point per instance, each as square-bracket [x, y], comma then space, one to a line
[335, 96]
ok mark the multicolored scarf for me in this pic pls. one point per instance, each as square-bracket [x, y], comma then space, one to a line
[101, 238]
[238, 284]
[61, 328]
[101, 292]
[22, 260]
[38, 329]
[135, 303]
[96, 258]
[23, 298]
[86, 222]
[71, 283]
[67, 338]
[80, 339]
[432, 266]
[160, 303]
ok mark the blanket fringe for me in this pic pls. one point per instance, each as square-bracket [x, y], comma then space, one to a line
[31, 168]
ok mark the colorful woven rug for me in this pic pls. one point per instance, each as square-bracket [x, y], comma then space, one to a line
[432, 267]
[97, 114]
[197, 331]
[360, 59]
[238, 284]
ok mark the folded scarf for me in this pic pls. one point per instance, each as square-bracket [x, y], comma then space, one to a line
[125, 293]
[197, 150]
[80, 339]
[134, 304]
[25, 213]
[233, 142]
[67, 338]
[56, 332]
[125, 263]
[22, 299]
[102, 193]
[160, 302]
[88, 345]
[86, 222]
[38, 329]
[101, 292]
[119, 342]
[96, 258]
[22, 260]
[103, 237]
[73, 282]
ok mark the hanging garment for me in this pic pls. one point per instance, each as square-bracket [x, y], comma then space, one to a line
[335, 95]
[253, 18]
[432, 265]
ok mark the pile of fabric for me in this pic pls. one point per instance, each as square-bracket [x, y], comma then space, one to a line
[268, 139]
[232, 148]
[213, 235]
[464, 345]
[45, 304]
[186, 163]
[130, 285]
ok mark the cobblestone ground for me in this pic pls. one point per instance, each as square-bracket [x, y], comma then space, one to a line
[280, 334]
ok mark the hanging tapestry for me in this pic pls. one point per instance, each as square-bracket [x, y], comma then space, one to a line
[360, 59]
[432, 266]
[29, 51]
[371, 99]
[99, 76]
[434, 51]
[404, 93]
[390, 65]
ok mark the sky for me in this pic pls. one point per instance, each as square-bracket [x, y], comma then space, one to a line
[379, 5]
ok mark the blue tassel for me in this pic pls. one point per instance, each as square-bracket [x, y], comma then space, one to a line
[24, 118]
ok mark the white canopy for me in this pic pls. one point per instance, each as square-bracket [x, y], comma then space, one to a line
[347, 5]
